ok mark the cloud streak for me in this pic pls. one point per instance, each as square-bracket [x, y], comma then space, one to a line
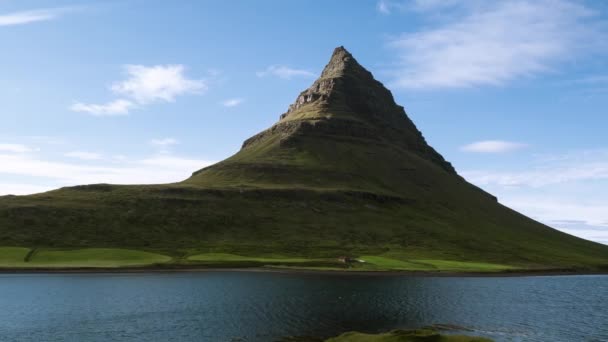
[15, 148]
[580, 166]
[28, 17]
[583, 219]
[493, 146]
[164, 142]
[114, 108]
[159, 83]
[145, 86]
[232, 102]
[285, 72]
[82, 155]
[563, 191]
[54, 174]
[493, 43]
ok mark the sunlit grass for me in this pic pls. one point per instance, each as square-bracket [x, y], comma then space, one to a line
[94, 257]
[223, 257]
[13, 256]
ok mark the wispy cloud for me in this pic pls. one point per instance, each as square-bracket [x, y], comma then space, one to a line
[15, 148]
[494, 42]
[583, 219]
[232, 102]
[384, 6]
[164, 145]
[562, 190]
[540, 176]
[48, 174]
[388, 6]
[32, 16]
[570, 167]
[144, 86]
[116, 107]
[159, 83]
[592, 79]
[493, 146]
[82, 155]
[285, 72]
[164, 142]
[22, 188]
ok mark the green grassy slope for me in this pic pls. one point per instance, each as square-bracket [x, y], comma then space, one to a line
[16, 257]
[181, 221]
[344, 172]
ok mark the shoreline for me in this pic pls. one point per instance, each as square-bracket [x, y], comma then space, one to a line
[152, 270]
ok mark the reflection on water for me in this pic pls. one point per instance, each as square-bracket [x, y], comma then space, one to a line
[225, 306]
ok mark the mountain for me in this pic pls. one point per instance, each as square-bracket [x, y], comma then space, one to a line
[344, 172]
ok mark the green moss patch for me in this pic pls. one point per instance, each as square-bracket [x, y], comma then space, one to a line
[405, 336]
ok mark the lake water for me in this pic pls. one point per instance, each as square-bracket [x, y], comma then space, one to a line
[248, 306]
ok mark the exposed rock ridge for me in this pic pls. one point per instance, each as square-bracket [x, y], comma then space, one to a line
[347, 88]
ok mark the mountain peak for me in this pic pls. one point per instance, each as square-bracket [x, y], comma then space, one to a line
[347, 103]
[342, 80]
[340, 61]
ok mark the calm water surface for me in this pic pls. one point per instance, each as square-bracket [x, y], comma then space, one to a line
[226, 306]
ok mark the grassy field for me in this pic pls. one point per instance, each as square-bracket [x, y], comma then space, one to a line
[184, 221]
[221, 257]
[13, 256]
[384, 263]
[405, 336]
[20, 257]
[77, 258]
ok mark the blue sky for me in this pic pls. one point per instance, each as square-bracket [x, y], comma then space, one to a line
[513, 93]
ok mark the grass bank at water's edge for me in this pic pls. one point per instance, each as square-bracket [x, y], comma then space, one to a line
[420, 335]
[108, 258]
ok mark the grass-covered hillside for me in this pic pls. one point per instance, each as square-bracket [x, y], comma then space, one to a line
[343, 173]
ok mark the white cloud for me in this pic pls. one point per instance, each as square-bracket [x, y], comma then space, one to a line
[28, 17]
[116, 107]
[159, 83]
[541, 176]
[560, 212]
[145, 85]
[83, 155]
[176, 163]
[494, 42]
[22, 189]
[15, 148]
[164, 142]
[47, 140]
[52, 174]
[384, 7]
[285, 72]
[388, 6]
[582, 219]
[492, 146]
[432, 5]
[232, 102]
[565, 191]
[591, 165]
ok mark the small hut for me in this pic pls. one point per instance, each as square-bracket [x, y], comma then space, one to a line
[346, 260]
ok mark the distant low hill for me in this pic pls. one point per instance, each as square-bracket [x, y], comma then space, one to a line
[344, 172]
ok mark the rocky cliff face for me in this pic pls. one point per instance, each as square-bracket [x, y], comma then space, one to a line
[347, 101]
